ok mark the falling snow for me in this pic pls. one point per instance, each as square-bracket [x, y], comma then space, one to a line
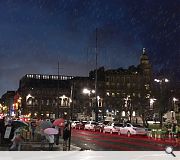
[36, 33]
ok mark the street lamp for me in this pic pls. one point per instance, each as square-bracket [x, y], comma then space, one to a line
[88, 92]
[151, 101]
[128, 107]
[174, 103]
[162, 107]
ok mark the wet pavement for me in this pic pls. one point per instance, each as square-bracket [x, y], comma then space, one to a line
[97, 141]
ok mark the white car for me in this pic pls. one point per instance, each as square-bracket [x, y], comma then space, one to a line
[90, 125]
[130, 129]
[112, 127]
[73, 124]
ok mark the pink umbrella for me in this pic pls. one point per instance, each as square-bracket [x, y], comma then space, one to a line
[51, 131]
[59, 122]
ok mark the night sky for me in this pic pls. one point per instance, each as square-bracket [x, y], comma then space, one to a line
[36, 34]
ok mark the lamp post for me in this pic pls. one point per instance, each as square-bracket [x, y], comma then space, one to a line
[128, 107]
[161, 82]
[151, 101]
[174, 103]
[88, 92]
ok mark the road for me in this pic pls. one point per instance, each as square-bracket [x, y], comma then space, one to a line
[106, 142]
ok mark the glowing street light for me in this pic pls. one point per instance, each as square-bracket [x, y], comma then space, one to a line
[87, 91]
[174, 103]
[161, 82]
[152, 100]
[175, 99]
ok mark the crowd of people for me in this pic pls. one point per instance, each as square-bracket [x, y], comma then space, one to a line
[11, 136]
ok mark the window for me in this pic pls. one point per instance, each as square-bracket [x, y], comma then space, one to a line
[29, 101]
[38, 76]
[47, 102]
[45, 77]
[36, 102]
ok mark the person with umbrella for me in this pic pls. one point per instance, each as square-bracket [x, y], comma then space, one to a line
[9, 132]
[17, 140]
[49, 133]
[58, 123]
[43, 125]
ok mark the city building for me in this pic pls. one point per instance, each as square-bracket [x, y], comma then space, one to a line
[121, 94]
[126, 93]
[45, 95]
[7, 103]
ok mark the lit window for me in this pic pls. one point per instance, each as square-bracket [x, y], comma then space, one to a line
[38, 76]
[108, 94]
[36, 102]
[29, 102]
[113, 94]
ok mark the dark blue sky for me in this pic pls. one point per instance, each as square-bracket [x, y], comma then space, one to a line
[35, 34]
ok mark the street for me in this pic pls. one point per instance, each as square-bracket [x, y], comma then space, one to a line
[89, 140]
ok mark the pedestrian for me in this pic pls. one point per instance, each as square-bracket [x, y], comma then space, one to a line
[43, 139]
[9, 132]
[57, 136]
[33, 128]
[66, 136]
[16, 141]
[50, 138]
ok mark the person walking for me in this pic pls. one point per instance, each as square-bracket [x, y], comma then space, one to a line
[9, 133]
[66, 136]
[57, 136]
[50, 138]
[33, 128]
[16, 141]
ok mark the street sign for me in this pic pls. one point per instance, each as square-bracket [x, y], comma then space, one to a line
[7, 133]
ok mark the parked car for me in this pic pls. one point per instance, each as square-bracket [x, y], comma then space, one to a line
[100, 126]
[112, 127]
[80, 125]
[73, 124]
[91, 125]
[130, 129]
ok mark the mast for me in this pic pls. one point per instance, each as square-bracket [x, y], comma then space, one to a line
[96, 76]
[58, 93]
